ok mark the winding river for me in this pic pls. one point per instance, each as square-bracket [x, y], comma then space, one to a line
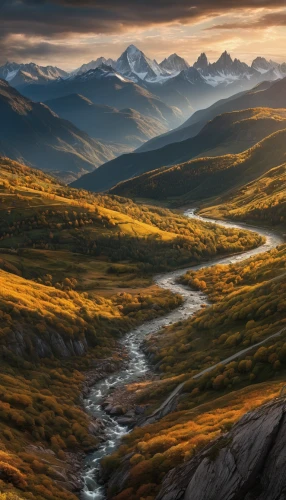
[138, 364]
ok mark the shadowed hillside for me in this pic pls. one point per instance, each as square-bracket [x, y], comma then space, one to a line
[227, 133]
[265, 94]
[208, 177]
[32, 133]
[126, 126]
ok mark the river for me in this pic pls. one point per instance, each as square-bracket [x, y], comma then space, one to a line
[138, 364]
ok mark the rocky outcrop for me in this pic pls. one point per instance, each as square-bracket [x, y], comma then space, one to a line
[24, 344]
[248, 463]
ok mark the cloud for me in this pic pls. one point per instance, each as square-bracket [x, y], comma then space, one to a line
[56, 31]
[262, 22]
[54, 17]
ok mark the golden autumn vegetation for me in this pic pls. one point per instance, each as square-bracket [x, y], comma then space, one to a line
[75, 274]
[208, 177]
[248, 306]
[262, 201]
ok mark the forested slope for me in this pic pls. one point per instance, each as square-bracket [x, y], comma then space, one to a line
[75, 274]
[248, 306]
[204, 178]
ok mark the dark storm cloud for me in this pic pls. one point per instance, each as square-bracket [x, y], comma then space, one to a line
[53, 17]
[53, 20]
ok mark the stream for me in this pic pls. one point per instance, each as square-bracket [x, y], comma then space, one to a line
[138, 364]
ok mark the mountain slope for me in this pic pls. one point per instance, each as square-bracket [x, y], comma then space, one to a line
[33, 133]
[247, 307]
[93, 65]
[103, 122]
[266, 94]
[105, 86]
[75, 275]
[24, 74]
[174, 64]
[260, 201]
[208, 177]
[187, 89]
[225, 70]
[134, 64]
[227, 133]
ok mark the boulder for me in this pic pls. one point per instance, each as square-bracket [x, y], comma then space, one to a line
[247, 463]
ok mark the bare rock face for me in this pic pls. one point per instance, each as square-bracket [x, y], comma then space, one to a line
[248, 463]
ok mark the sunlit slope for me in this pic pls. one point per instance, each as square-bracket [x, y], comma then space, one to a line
[56, 217]
[248, 306]
[207, 177]
[265, 94]
[75, 274]
[226, 133]
[262, 201]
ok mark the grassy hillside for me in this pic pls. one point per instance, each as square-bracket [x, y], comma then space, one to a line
[248, 306]
[75, 274]
[227, 133]
[262, 201]
[207, 177]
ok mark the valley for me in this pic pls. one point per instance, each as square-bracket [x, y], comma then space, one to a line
[87, 266]
[138, 364]
[76, 275]
[142, 254]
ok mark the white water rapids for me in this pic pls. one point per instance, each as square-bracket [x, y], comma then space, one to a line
[138, 364]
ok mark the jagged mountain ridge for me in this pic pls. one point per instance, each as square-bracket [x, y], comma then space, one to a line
[134, 64]
[173, 81]
[105, 86]
[93, 65]
[23, 74]
[225, 70]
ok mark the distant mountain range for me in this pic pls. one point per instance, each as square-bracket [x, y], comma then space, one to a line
[105, 108]
[226, 127]
[24, 74]
[104, 122]
[173, 81]
[105, 86]
[135, 65]
[32, 133]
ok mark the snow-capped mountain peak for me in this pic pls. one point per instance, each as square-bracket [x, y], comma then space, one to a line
[202, 62]
[93, 65]
[21, 74]
[262, 65]
[99, 73]
[224, 71]
[134, 64]
[174, 64]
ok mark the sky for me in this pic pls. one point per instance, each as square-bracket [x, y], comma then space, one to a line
[68, 33]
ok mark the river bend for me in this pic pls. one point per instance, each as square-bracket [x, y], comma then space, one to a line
[138, 364]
